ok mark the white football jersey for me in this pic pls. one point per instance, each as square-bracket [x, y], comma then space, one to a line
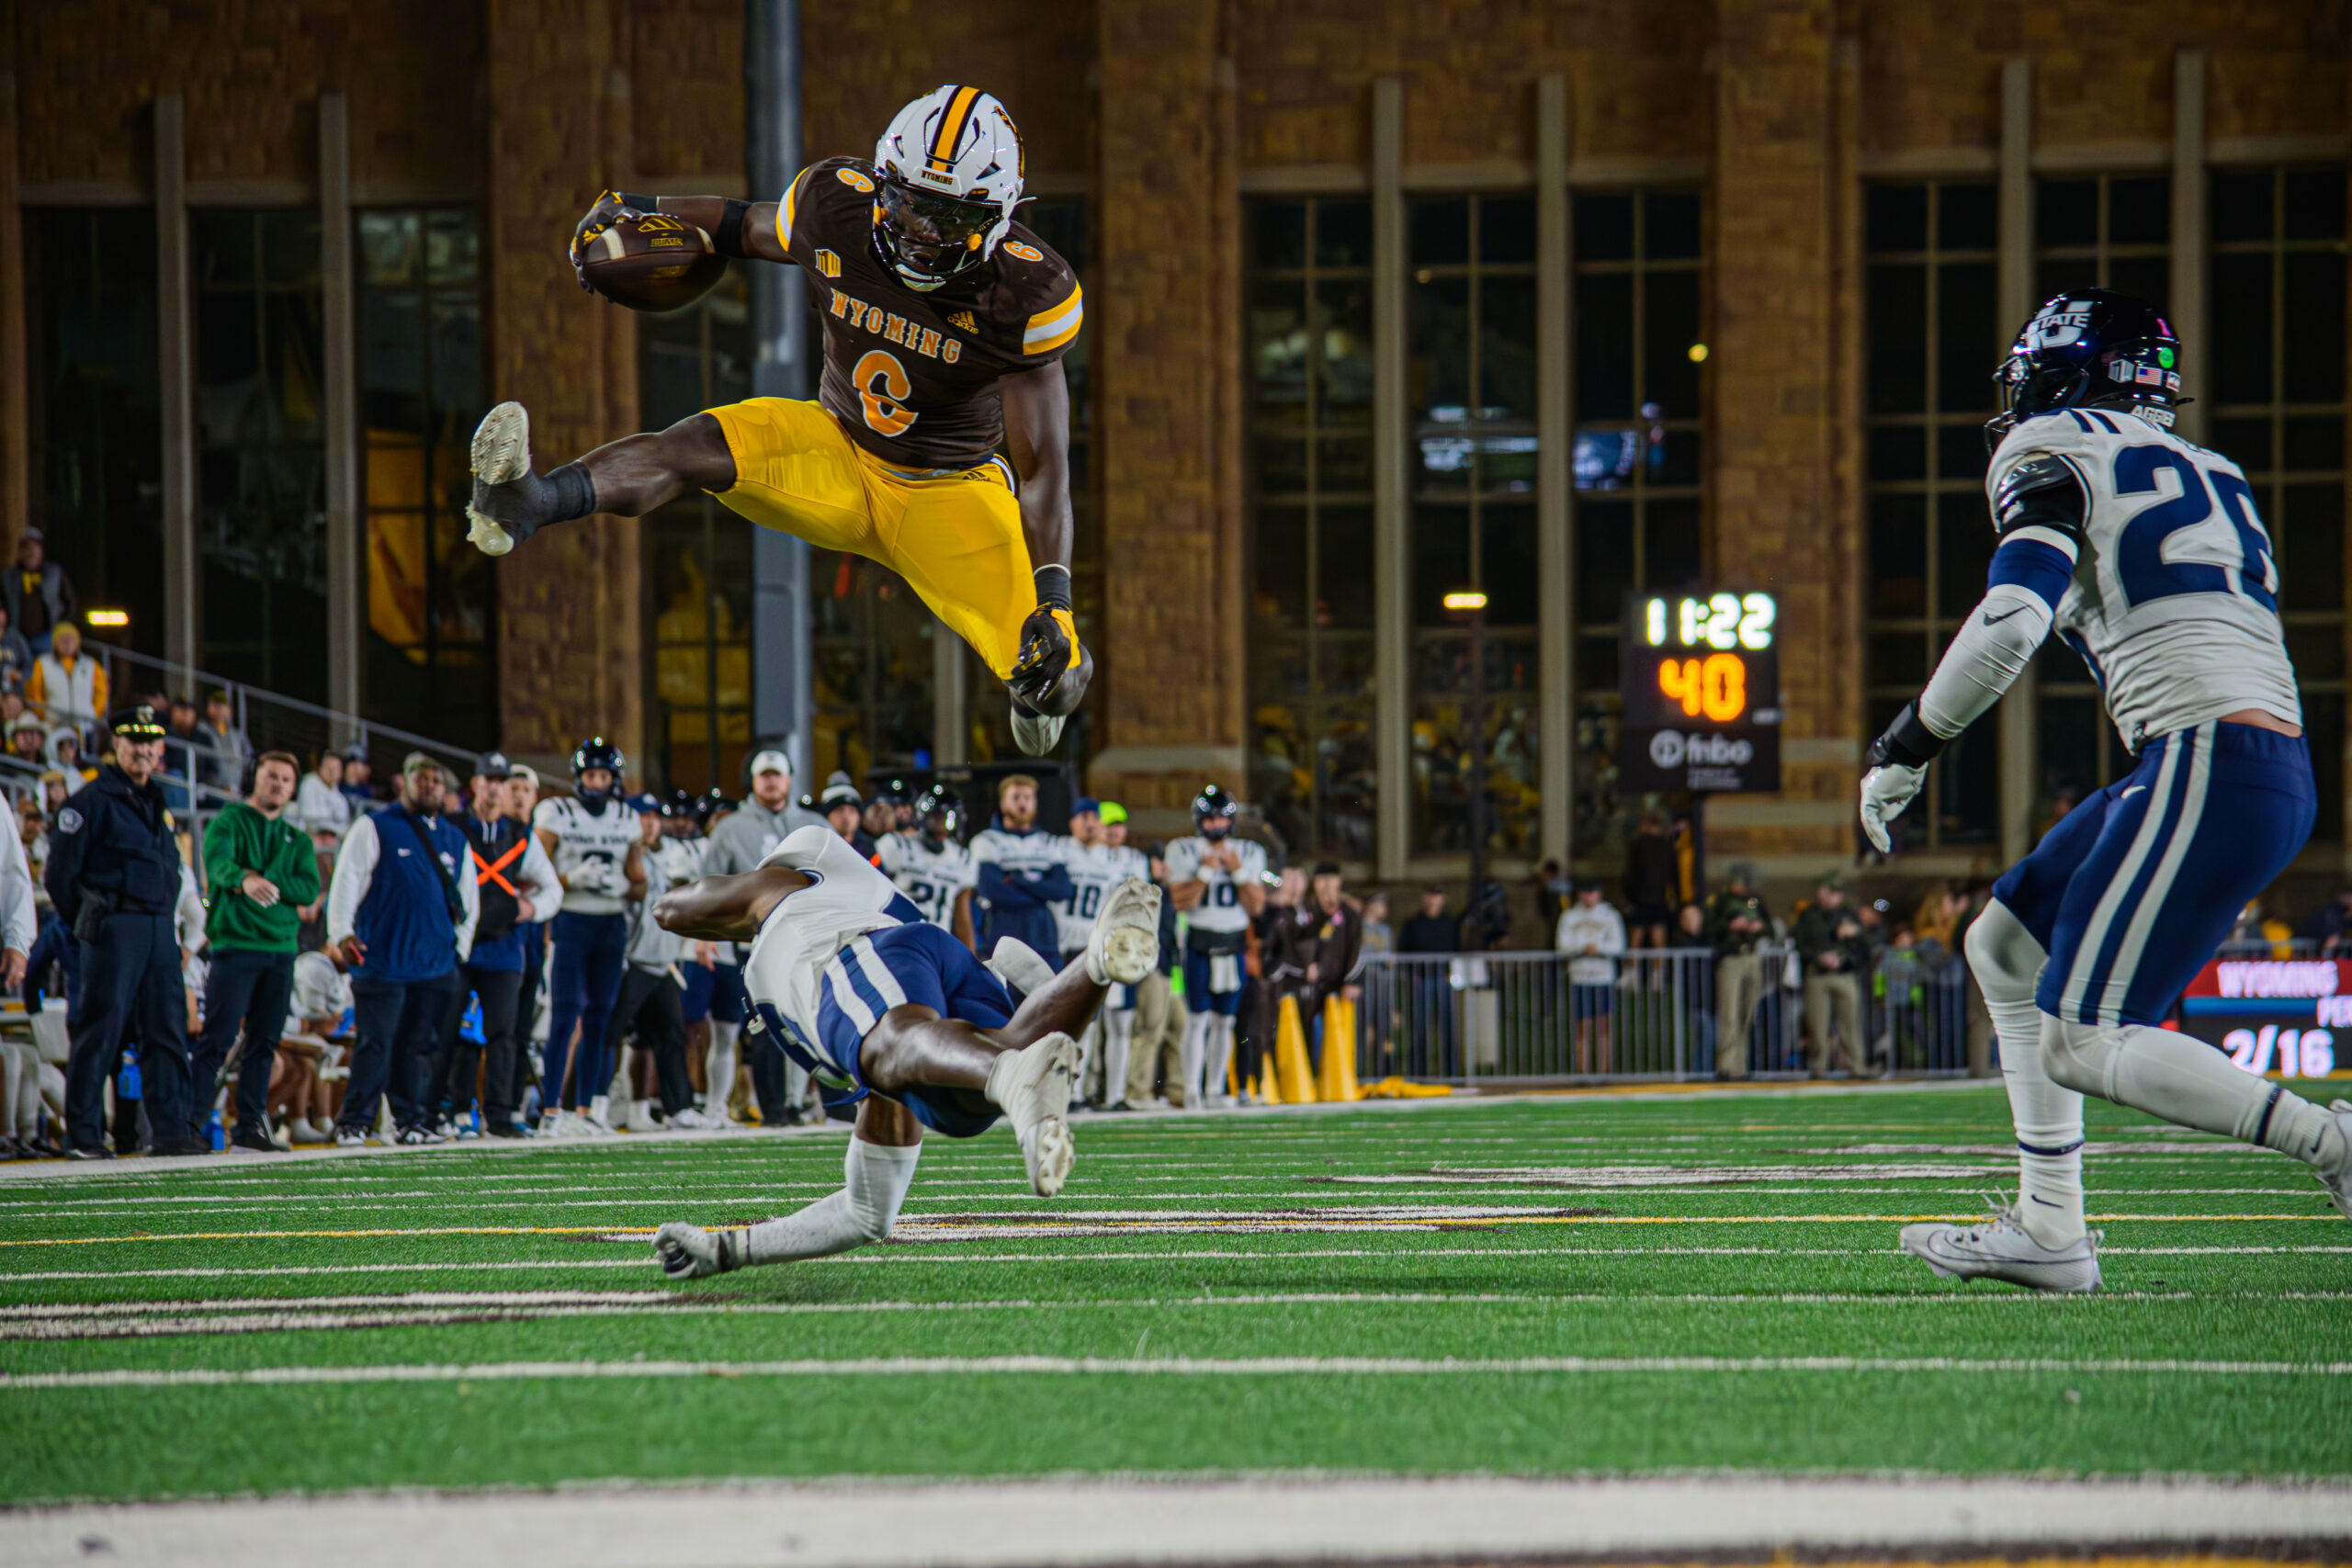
[1094, 870]
[591, 849]
[931, 878]
[2174, 602]
[849, 898]
[1220, 908]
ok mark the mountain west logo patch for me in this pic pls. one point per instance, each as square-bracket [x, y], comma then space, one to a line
[964, 321]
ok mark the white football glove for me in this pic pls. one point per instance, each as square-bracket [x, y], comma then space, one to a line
[1886, 790]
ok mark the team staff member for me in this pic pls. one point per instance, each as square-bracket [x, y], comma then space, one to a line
[522, 800]
[1019, 873]
[262, 871]
[515, 884]
[738, 843]
[402, 908]
[945, 322]
[113, 875]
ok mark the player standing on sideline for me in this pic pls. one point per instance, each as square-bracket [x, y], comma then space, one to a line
[1018, 870]
[1218, 882]
[588, 839]
[944, 322]
[1095, 868]
[2145, 554]
[1117, 1022]
[885, 1008]
[932, 866]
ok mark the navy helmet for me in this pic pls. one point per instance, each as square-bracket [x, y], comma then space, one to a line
[1214, 802]
[598, 752]
[944, 804]
[2089, 348]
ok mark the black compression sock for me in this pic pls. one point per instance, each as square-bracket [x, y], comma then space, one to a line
[575, 493]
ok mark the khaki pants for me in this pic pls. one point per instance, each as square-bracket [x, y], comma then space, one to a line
[1739, 986]
[1159, 1037]
[1835, 999]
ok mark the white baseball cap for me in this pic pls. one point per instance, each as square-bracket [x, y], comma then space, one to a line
[770, 761]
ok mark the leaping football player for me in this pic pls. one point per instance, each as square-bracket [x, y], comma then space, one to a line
[2145, 554]
[889, 1011]
[945, 322]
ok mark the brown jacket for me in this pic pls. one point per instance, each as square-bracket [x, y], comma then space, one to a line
[1310, 955]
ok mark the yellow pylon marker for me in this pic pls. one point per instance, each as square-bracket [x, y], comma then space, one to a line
[1290, 1053]
[1338, 1078]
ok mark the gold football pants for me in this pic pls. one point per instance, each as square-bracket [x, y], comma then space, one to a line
[956, 539]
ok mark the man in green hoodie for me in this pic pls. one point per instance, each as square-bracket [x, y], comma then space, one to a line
[262, 871]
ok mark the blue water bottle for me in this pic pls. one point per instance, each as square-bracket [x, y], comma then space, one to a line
[127, 1086]
[215, 1132]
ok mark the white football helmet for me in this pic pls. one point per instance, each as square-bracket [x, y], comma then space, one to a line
[951, 167]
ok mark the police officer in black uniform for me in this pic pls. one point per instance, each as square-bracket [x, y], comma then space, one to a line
[114, 874]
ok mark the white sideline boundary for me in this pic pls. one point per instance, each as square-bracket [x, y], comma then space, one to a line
[1271, 1519]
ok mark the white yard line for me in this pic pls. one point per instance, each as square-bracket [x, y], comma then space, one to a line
[1007, 1523]
[1181, 1367]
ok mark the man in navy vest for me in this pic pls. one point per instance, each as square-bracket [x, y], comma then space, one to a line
[402, 908]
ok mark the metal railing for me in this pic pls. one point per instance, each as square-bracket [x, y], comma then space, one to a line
[1659, 1013]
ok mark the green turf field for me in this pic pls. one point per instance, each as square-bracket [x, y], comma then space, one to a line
[1543, 1286]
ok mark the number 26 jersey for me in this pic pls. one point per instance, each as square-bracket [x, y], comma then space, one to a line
[2174, 598]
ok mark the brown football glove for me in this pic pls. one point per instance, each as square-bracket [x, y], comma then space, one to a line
[1048, 653]
[610, 209]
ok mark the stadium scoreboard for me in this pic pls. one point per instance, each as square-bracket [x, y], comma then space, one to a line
[1699, 674]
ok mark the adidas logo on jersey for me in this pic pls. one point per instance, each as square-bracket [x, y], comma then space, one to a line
[929, 342]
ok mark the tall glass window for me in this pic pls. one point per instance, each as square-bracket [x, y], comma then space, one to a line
[2277, 385]
[260, 446]
[95, 417]
[432, 598]
[1635, 465]
[2102, 232]
[1933, 341]
[1309, 476]
[699, 554]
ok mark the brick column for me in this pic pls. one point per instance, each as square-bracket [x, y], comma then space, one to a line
[16, 438]
[571, 646]
[1161, 304]
[1785, 516]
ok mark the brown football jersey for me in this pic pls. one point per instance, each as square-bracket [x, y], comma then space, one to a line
[913, 377]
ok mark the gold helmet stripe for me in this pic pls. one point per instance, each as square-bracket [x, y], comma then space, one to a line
[951, 125]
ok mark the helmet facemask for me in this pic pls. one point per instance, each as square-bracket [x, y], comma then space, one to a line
[927, 236]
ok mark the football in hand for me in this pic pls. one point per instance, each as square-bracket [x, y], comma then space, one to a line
[652, 262]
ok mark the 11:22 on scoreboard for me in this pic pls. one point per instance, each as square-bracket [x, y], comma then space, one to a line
[1702, 668]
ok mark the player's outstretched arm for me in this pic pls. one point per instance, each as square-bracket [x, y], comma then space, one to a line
[2039, 512]
[1050, 676]
[725, 909]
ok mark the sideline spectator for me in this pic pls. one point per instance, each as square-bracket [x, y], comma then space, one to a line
[1020, 872]
[262, 870]
[739, 841]
[1431, 931]
[1593, 934]
[64, 753]
[514, 885]
[522, 804]
[16, 655]
[1431, 1022]
[1377, 936]
[36, 593]
[1737, 924]
[114, 874]
[402, 908]
[67, 685]
[1653, 880]
[320, 805]
[845, 812]
[181, 749]
[1831, 944]
[28, 741]
[1689, 933]
[1318, 946]
[2329, 924]
[226, 766]
[355, 787]
[322, 995]
[1553, 893]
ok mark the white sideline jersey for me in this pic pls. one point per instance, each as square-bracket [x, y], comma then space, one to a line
[1220, 907]
[667, 864]
[2174, 601]
[1094, 870]
[591, 852]
[848, 897]
[930, 878]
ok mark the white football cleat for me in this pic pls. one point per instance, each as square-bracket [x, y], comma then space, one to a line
[1124, 947]
[1016, 964]
[501, 453]
[2338, 1182]
[1035, 733]
[692, 1120]
[2001, 1248]
[690, 1252]
[1031, 1088]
